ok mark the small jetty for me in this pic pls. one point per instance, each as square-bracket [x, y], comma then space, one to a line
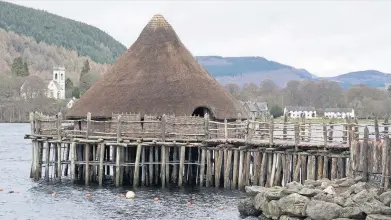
[191, 150]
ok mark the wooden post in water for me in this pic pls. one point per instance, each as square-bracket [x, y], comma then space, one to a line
[202, 171]
[330, 136]
[87, 166]
[181, 165]
[208, 168]
[136, 173]
[297, 137]
[32, 126]
[271, 129]
[101, 158]
[227, 168]
[364, 154]
[235, 169]
[377, 134]
[385, 165]
[324, 136]
[73, 158]
[59, 170]
[241, 170]
[47, 161]
[284, 131]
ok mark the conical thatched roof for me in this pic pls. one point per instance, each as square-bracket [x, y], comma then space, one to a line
[156, 75]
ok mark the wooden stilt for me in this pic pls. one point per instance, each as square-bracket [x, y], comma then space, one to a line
[68, 148]
[150, 149]
[217, 170]
[137, 167]
[143, 176]
[181, 165]
[320, 168]
[118, 167]
[333, 168]
[241, 170]
[257, 167]
[235, 170]
[263, 171]
[269, 169]
[303, 168]
[163, 166]
[227, 171]
[273, 169]
[55, 159]
[202, 171]
[247, 169]
[157, 166]
[73, 158]
[47, 161]
[101, 159]
[208, 169]
[278, 178]
[87, 166]
[167, 165]
[325, 172]
[296, 172]
[311, 167]
[59, 166]
[175, 160]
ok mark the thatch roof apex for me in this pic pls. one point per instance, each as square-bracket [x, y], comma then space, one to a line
[158, 21]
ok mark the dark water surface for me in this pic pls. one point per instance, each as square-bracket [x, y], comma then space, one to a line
[33, 200]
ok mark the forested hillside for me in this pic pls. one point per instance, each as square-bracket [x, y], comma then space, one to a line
[52, 29]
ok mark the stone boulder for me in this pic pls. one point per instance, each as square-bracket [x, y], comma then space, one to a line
[275, 193]
[320, 210]
[292, 187]
[271, 210]
[285, 217]
[358, 187]
[378, 217]
[246, 208]
[374, 207]
[260, 200]
[309, 192]
[351, 212]
[329, 190]
[363, 196]
[386, 198]
[254, 190]
[293, 205]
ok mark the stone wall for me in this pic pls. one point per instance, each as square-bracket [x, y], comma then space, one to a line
[318, 200]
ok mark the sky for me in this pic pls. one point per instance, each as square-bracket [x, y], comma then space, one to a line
[327, 38]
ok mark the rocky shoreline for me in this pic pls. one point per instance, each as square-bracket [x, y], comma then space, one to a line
[318, 200]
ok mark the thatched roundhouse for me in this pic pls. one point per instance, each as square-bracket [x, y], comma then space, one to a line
[157, 75]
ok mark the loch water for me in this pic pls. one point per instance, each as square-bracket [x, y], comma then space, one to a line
[24, 199]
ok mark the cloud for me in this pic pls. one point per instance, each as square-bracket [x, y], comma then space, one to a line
[325, 37]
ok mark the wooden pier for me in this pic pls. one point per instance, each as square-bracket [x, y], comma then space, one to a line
[188, 150]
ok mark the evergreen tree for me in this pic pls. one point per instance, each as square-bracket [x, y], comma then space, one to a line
[85, 69]
[76, 92]
[25, 69]
[276, 111]
[68, 84]
[17, 66]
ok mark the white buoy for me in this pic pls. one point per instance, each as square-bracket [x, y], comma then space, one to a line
[130, 195]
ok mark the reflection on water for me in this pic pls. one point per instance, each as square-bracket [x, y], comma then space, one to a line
[33, 200]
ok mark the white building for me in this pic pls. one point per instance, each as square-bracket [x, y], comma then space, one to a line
[56, 87]
[339, 112]
[300, 111]
[71, 102]
[34, 86]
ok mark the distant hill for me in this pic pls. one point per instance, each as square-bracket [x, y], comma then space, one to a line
[241, 70]
[53, 29]
[371, 78]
